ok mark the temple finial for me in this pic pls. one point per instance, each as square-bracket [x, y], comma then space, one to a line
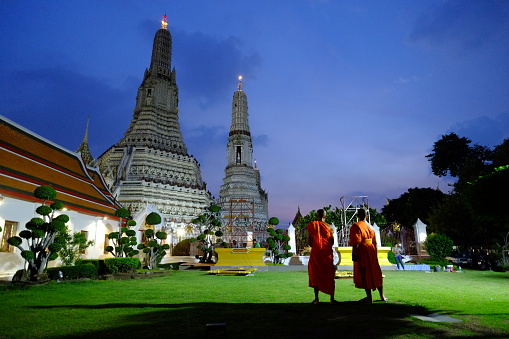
[164, 23]
[85, 138]
[240, 83]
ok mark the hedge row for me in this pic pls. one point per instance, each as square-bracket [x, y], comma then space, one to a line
[73, 272]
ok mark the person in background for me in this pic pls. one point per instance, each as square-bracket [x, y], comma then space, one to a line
[399, 258]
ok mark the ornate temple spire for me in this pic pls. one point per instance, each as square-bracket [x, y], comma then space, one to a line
[241, 195]
[240, 116]
[85, 150]
[151, 164]
[156, 115]
[161, 51]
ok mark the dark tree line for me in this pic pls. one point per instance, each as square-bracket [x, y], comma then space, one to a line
[475, 213]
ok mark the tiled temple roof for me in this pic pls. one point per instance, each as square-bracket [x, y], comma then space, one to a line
[28, 161]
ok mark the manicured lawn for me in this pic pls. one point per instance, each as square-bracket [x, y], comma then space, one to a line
[266, 305]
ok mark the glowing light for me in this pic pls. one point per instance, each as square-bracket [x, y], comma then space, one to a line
[240, 82]
[164, 23]
[422, 237]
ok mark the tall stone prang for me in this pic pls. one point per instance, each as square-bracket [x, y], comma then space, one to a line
[243, 202]
[150, 164]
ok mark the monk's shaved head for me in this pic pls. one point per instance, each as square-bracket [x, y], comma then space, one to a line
[320, 214]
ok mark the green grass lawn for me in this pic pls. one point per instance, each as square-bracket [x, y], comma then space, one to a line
[266, 305]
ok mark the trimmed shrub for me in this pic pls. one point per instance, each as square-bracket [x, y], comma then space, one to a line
[438, 246]
[99, 263]
[88, 271]
[183, 247]
[122, 265]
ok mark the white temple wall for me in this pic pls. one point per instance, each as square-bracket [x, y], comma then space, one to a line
[20, 212]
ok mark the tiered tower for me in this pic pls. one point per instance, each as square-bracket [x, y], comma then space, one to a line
[243, 202]
[150, 164]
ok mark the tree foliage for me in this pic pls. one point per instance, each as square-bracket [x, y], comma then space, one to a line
[74, 246]
[471, 214]
[211, 233]
[487, 199]
[456, 157]
[41, 235]
[416, 203]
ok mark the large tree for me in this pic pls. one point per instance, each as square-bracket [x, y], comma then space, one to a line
[456, 157]
[487, 198]
[416, 203]
[474, 213]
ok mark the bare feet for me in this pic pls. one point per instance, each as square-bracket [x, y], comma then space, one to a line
[315, 302]
[334, 302]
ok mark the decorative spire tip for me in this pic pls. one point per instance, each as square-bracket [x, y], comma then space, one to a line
[240, 83]
[164, 23]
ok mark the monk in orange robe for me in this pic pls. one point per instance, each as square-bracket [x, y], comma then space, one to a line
[366, 269]
[321, 268]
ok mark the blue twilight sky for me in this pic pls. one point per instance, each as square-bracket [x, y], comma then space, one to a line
[345, 97]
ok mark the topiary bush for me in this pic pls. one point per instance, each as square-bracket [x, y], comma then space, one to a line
[211, 233]
[41, 237]
[277, 243]
[154, 249]
[124, 241]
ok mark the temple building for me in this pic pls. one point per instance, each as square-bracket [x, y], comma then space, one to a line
[29, 161]
[150, 165]
[243, 202]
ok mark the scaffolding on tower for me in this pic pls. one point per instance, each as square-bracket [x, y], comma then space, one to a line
[350, 205]
[240, 222]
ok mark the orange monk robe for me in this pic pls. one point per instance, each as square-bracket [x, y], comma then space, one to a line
[366, 269]
[321, 267]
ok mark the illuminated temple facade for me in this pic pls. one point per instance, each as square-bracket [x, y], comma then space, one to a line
[243, 202]
[150, 165]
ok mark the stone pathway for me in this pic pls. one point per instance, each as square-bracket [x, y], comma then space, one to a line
[437, 317]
